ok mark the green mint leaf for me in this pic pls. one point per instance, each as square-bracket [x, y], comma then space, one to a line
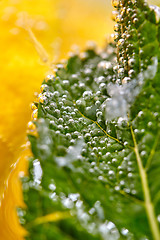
[95, 168]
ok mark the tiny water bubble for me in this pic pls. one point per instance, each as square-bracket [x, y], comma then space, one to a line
[124, 231]
[35, 114]
[105, 65]
[49, 77]
[33, 107]
[87, 95]
[31, 126]
[158, 218]
[52, 186]
[37, 171]
[115, 3]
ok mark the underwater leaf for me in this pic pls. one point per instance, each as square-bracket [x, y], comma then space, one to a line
[95, 139]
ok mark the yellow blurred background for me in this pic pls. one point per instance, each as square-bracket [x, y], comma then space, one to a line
[57, 24]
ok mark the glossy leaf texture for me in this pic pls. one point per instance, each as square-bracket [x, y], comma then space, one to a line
[95, 139]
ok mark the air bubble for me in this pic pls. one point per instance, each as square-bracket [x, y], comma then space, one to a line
[101, 178]
[143, 154]
[150, 124]
[52, 187]
[140, 114]
[65, 83]
[41, 98]
[74, 196]
[33, 106]
[120, 42]
[115, 37]
[130, 175]
[115, 3]
[37, 171]
[158, 218]
[114, 161]
[68, 203]
[104, 65]
[111, 173]
[31, 127]
[56, 94]
[102, 86]
[122, 182]
[116, 27]
[131, 73]
[124, 231]
[43, 87]
[125, 143]
[35, 114]
[49, 77]
[122, 122]
[87, 95]
[117, 18]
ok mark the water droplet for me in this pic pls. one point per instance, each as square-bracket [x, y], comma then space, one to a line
[116, 27]
[56, 94]
[99, 209]
[31, 126]
[83, 55]
[158, 218]
[120, 42]
[131, 73]
[115, 36]
[49, 77]
[66, 83]
[122, 122]
[35, 114]
[150, 124]
[92, 211]
[124, 231]
[68, 203]
[41, 98]
[143, 154]
[43, 87]
[122, 182]
[74, 196]
[104, 65]
[117, 188]
[130, 175]
[37, 171]
[114, 161]
[108, 230]
[125, 143]
[33, 106]
[87, 95]
[115, 3]
[140, 114]
[52, 187]
[111, 173]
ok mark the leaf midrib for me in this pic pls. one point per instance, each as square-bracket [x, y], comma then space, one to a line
[147, 196]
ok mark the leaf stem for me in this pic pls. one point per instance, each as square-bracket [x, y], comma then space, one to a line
[147, 198]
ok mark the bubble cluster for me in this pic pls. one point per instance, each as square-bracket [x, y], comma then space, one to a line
[132, 24]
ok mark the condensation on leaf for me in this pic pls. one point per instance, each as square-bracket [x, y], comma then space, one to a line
[122, 96]
[109, 231]
[72, 154]
[37, 171]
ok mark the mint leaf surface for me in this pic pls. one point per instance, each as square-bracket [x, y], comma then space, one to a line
[95, 168]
